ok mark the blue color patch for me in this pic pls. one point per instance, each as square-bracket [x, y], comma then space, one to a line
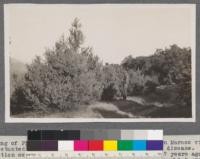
[139, 145]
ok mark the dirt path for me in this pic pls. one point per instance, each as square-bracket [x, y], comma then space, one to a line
[109, 110]
[141, 101]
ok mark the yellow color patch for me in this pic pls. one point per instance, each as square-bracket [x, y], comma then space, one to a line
[110, 145]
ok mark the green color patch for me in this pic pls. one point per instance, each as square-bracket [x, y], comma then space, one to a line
[124, 145]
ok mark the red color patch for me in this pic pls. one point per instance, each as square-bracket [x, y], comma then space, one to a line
[96, 145]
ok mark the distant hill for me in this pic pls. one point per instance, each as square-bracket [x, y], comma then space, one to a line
[17, 66]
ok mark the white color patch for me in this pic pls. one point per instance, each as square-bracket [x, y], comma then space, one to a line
[155, 135]
[66, 145]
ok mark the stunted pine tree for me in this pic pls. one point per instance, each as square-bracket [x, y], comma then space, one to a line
[69, 75]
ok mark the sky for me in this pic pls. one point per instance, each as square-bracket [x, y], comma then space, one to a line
[114, 31]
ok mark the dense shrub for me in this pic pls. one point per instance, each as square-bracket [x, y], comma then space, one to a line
[109, 92]
[115, 82]
[170, 67]
[136, 82]
[18, 101]
[150, 87]
[140, 83]
[151, 83]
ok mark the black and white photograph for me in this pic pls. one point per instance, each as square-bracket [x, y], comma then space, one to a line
[99, 62]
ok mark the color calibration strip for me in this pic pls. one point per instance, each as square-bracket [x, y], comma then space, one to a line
[95, 140]
[95, 145]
